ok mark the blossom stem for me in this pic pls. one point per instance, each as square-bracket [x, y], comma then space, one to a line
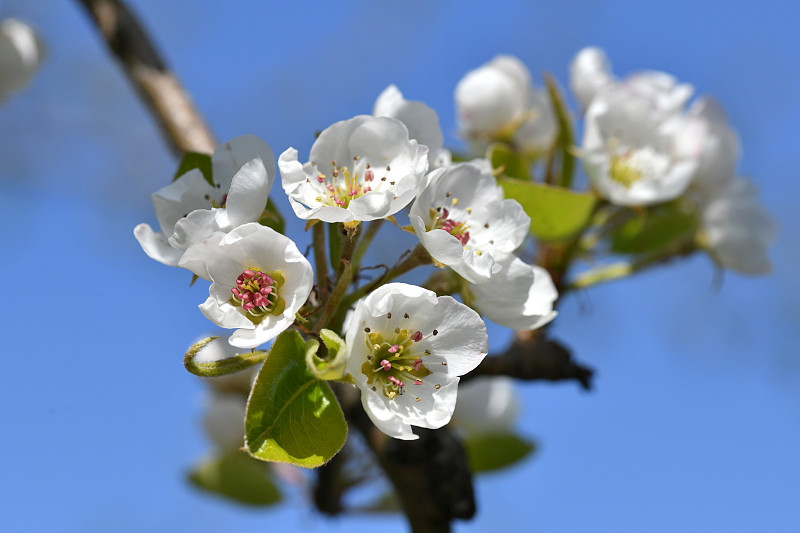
[320, 263]
[349, 239]
[419, 256]
[366, 240]
[332, 303]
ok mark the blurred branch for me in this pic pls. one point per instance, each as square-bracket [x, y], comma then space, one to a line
[531, 357]
[170, 105]
[430, 476]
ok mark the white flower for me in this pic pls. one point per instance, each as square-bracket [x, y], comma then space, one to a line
[407, 349]
[589, 73]
[224, 420]
[519, 297]
[463, 221]
[738, 230]
[494, 97]
[629, 141]
[259, 282]
[361, 169]
[21, 53]
[486, 405]
[422, 123]
[190, 210]
[705, 133]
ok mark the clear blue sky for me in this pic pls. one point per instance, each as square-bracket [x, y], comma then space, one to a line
[694, 423]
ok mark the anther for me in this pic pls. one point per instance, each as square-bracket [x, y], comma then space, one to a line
[436, 332]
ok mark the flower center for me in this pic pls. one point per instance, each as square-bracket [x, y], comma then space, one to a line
[394, 361]
[344, 185]
[624, 171]
[257, 294]
[459, 230]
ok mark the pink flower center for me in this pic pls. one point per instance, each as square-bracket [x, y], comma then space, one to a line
[459, 230]
[255, 291]
[345, 184]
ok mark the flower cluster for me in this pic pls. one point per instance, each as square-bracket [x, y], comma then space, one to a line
[649, 158]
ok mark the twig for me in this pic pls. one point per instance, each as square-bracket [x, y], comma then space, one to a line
[169, 104]
[531, 358]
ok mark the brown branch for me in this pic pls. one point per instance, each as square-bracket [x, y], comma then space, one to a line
[430, 476]
[169, 104]
[530, 357]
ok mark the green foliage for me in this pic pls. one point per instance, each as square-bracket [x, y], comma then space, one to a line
[192, 160]
[238, 477]
[292, 417]
[508, 161]
[556, 213]
[272, 218]
[333, 366]
[221, 367]
[655, 228]
[493, 451]
[564, 141]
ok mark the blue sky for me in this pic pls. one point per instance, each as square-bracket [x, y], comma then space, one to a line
[693, 425]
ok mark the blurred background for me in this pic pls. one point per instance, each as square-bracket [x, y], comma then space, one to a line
[694, 421]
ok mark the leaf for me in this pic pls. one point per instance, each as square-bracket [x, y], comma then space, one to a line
[654, 229]
[292, 417]
[509, 162]
[493, 451]
[272, 218]
[564, 141]
[192, 160]
[238, 477]
[556, 213]
[219, 367]
[332, 367]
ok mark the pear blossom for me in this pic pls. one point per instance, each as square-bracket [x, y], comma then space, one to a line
[463, 221]
[486, 405]
[520, 296]
[361, 169]
[493, 98]
[259, 282]
[190, 210]
[422, 123]
[737, 229]
[223, 420]
[538, 131]
[407, 348]
[589, 73]
[629, 145]
[21, 53]
[705, 133]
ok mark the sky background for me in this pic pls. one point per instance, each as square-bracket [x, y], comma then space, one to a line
[694, 422]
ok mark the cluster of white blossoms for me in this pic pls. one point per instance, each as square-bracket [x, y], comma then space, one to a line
[21, 53]
[406, 346]
[643, 146]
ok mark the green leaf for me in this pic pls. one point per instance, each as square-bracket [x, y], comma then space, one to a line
[238, 477]
[493, 451]
[272, 218]
[192, 160]
[556, 213]
[292, 417]
[219, 367]
[564, 141]
[509, 162]
[655, 228]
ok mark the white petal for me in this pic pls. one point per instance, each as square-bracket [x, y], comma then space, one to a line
[230, 157]
[248, 194]
[155, 245]
[193, 229]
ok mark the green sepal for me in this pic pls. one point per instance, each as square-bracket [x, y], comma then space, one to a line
[655, 228]
[220, 367]
[556, 213]
[492, 451]
[292, 417]
[238, 477]
[509, 162]
[565, 138]
[272, 218]
[334, 366]
[195, 160]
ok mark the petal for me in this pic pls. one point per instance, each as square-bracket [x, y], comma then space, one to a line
[230, 157]
[155, 245]
[193, 229]
[248, 194]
